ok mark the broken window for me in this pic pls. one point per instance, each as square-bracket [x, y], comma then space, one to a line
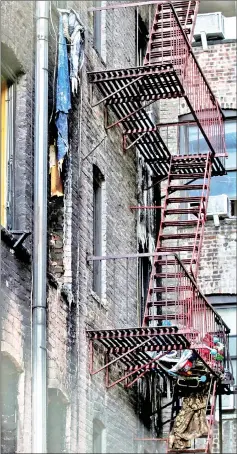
[7, 151]
[98, 180]
[56, 431]
[9, 391]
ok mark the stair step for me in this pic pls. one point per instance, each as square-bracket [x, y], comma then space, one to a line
[174, 249]
[182, 176]
[184, 199]
[180, 223]
[187, 165]
[194, 210]
[170, 289]
[169, 275]
[188, 157]
[165, 317]
[167, 303]
[187, 187]
[162, 262]
[181, 451]
[179, 236]
[165, 35]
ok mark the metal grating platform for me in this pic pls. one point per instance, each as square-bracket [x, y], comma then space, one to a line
[131, 347]
[142, 83]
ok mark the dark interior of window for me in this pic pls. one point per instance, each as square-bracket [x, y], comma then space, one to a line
[97, 227]
[141, 39]
[56, 422]
[9, 384]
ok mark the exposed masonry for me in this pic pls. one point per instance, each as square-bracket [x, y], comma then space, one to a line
[72, 307]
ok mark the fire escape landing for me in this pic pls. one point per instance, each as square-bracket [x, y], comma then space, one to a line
[177, 316]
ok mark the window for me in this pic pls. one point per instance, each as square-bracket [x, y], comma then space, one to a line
[56, 422]
[7, 152]
[141, 39]
[97, 228]
[9, 390]
[61, 4]
[192, 142]
[97, 28]
[98, 437]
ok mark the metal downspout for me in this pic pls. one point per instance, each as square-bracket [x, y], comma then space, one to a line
[39, 354]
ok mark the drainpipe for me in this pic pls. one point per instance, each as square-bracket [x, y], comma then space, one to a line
[39, 358]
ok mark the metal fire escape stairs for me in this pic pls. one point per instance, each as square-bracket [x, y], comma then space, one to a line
[177, 315]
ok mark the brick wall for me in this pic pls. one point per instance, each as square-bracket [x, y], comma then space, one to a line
[17, 27]
[219, 66]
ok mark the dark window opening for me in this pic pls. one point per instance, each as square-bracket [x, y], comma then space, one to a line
[97, 28]
[9, 385]
[141, 39]
[97, 227]
[56, 422]
[233, 208]
[98, 437]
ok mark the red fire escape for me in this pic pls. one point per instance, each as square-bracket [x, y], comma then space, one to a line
[177, 316]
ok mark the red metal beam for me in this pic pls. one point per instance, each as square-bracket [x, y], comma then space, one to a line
[127, 5]
[147, 207]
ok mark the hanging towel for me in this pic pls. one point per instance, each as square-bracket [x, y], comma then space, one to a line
[63, 97]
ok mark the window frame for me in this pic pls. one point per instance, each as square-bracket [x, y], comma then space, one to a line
[99, 431]
[99, 270]
[230, 115]
[8, 115]
[97, 29]
[141, 39]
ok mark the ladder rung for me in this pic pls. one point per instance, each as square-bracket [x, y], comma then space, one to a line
[188, 165]
[182, 176]
[186, 450]
[162, 262]
[169, 275]
[185, 199]
[180, 223]
[179, 236]
[187, 187]
[174, 249]
[171, 289]
[194, 210]
[167, 303]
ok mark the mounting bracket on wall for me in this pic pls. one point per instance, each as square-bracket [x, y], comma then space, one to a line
[21, 236]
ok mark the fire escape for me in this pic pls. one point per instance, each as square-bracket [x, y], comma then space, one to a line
[177, 316]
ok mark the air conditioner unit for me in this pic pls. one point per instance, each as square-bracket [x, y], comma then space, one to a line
[212, 24]
[218, 205]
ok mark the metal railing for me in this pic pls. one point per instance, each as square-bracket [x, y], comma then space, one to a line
[174, 299]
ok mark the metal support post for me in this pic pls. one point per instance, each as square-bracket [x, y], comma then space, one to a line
[39, 355]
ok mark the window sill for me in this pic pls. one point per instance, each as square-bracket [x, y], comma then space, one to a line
[213, 42]
[100, 301]
[21, 252]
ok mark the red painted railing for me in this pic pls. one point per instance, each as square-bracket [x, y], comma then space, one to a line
[169, 44]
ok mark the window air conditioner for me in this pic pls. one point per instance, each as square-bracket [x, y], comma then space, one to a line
[212, 24]
[218, 205]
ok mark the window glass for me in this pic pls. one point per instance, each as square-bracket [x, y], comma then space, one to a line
[193, 142]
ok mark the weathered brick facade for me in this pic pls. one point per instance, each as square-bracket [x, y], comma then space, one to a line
[73, 395]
